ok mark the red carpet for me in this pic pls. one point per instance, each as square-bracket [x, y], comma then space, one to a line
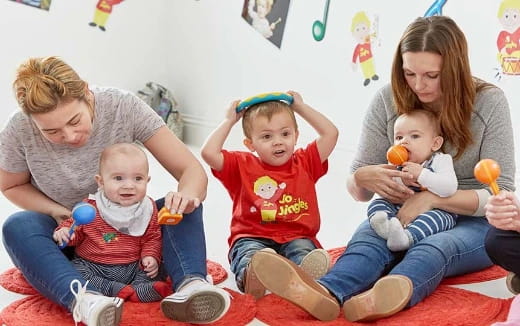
[36, 310]
[13, 280]
[488, 274]
[446, 306]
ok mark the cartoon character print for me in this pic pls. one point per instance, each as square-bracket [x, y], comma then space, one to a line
[508, 40]
[102, 12]
[275, 205]
[361, 31]
[269, 192]
[109, 237]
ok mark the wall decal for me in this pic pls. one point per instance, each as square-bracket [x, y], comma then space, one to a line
[435, 9]
[267, 17]
[318, 28]
[41, 4]
[364, 33]
[508, 40]
[102, 12]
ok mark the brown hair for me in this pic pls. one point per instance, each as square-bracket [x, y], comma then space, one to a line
[128, 149]
[43, 83]
[431, 116]
[265, 109]
[440, 35]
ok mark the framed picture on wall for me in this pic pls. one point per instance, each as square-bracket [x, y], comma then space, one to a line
[41, 4]
[267, 17]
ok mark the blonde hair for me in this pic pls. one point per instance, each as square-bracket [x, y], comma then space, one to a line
[508, 4]
[265, 109]
[360, 17]
[263, 181]
[268, 4]
[128, 149]
[42, 84]
[440, 35]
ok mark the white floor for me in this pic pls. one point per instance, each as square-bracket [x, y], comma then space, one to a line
[340, 216]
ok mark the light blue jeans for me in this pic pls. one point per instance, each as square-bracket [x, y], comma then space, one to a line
[367, 258]
[27, 238]
[244, 248]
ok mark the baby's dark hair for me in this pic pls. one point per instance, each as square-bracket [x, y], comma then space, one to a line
[265, 109]
[433, 117]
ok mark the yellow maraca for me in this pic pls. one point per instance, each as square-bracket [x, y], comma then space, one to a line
[487, 171]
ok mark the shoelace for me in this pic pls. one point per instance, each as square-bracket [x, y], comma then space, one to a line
[78, 295]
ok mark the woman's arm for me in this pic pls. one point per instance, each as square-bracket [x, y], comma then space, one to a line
[463, 202]
[180, 162]
[18, 189]
[370, 173]
[370, 179]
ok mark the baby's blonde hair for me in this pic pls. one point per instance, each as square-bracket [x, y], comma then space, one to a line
[128, 149]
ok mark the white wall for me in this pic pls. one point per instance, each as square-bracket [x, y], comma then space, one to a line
[130, 52]
[208, 55]
[217, 57]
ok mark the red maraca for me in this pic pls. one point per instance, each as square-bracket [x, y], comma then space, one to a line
[397, 155]
[487, 171]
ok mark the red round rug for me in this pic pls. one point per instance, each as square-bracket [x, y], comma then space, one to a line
[14, 281]
[446, 306]
[36, 310]
[491, 273]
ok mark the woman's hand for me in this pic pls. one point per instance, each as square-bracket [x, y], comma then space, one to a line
[415, 205]
[179, 203]
[60, 213]
[502, 211]
[379, 179]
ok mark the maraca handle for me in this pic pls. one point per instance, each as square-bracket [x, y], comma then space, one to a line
[71, 231]
[494, 188]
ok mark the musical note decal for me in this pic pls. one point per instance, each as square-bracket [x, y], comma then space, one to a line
[318, 28]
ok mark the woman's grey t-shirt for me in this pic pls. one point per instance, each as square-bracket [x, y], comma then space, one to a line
[490, 127]
[66, 174]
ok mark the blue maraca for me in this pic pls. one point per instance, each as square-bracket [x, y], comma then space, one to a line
[82, 213]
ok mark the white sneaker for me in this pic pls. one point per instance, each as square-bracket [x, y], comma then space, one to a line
[198, 302]
[93, 309]
[316, 263]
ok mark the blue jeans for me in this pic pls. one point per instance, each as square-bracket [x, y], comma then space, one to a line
[244, 248]
[27, 238]
[367, 258]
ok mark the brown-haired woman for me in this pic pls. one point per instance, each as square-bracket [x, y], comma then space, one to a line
[430, 72]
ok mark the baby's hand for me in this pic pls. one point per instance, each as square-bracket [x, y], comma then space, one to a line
[413, 168]
[150, 266]
[62, 235]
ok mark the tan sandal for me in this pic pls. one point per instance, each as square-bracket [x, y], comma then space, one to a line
[389, 295]
[285, 279]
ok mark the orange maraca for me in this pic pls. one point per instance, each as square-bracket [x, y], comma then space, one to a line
[487, 171]
[397, 155]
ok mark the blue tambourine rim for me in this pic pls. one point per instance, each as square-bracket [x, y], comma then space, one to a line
[265, 97]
